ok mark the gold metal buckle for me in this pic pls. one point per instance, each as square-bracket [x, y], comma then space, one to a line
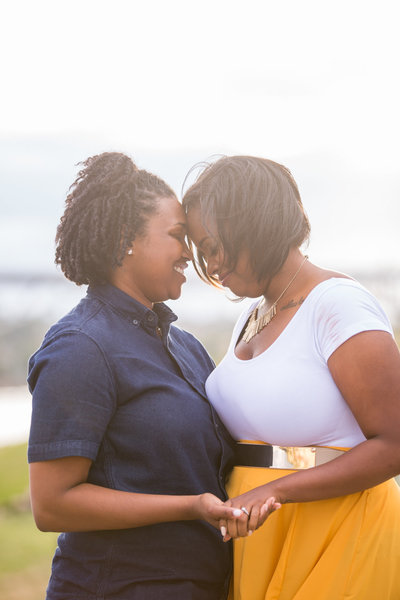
[302, 457]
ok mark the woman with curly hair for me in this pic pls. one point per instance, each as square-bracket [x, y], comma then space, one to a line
[309, 388]
[127, 456]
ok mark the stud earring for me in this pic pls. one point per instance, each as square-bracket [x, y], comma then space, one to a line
[130, 252]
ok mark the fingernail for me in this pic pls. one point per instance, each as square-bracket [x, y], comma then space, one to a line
[249, 532]
[237, 512]
[277, 505]
[223, 531]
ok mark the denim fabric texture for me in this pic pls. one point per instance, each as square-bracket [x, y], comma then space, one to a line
[105, 386]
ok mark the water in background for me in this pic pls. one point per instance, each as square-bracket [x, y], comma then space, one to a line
[201, 309]
[30, 304]
[15, 415]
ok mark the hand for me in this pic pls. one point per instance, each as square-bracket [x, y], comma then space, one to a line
[211, 509]
[258, 503]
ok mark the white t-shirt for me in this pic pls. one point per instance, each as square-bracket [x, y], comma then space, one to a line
[286, 395]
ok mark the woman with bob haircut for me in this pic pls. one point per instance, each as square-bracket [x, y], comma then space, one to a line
[309, 388]
[127, 456]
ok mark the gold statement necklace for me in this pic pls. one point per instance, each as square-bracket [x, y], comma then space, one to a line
[261, 315]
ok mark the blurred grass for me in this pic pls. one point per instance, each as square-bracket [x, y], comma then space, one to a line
[25, 552]
[13, 473]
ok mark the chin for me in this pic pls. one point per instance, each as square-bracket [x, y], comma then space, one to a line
[239, 291]
[246, 291]
[175, 294]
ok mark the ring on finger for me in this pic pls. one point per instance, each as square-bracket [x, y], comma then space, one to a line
[244, 509]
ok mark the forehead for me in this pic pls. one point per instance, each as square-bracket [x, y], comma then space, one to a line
[199, 230]
[169, 212]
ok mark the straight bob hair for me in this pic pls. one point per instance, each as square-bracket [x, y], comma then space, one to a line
[255, 205]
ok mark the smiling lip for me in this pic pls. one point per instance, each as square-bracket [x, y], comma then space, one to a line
[180, 269]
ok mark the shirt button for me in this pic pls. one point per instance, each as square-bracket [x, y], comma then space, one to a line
[135, 322]
[150, 318]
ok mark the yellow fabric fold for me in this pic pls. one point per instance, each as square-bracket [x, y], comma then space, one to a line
[345, 548]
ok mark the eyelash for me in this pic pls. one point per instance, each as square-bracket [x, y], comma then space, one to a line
[212, 252]
[181, 237]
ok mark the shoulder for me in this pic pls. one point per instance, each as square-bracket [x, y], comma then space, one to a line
[78, 319]
[345, 296]
[90, 322]
[342, 308]
[69, 348]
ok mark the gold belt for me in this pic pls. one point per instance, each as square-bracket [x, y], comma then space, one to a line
[258, 454]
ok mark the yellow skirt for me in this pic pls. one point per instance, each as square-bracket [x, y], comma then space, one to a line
[345, 548]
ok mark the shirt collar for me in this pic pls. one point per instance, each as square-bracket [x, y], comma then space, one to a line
[161, 315]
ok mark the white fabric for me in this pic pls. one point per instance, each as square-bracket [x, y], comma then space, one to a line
[286, 395]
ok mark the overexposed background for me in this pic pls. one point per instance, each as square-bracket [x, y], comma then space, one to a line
[311, 84]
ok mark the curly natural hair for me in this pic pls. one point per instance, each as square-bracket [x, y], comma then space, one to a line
[108, 205]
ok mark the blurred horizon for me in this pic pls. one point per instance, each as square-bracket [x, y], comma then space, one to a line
[353, 213]
[351, 231]
[308, 85]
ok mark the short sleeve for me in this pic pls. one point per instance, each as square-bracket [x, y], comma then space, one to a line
[343, 311]
[73, 398]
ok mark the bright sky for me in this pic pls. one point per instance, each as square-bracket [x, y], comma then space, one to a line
[310, 83]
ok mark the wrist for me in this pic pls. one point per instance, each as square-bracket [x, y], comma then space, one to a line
[274, 491]
[192, 507]
[278, 493]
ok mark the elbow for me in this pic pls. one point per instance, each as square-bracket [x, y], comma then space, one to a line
[44, 518]
[392, 453]
[43, 526]
[44, 522]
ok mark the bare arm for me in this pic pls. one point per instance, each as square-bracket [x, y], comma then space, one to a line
[366, 369]
[62, 500]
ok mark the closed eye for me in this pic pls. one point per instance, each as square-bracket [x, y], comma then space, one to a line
[179, 234]
[209, 251]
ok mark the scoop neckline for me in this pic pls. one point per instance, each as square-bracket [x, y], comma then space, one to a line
[311, 293]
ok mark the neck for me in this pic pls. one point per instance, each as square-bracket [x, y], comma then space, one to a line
[124, 283]
[291, 266]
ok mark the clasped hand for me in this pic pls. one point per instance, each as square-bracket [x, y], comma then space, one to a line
[258, 504]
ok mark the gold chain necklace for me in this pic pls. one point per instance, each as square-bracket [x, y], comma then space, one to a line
[260, 316]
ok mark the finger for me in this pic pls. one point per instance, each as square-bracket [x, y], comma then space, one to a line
[225, 512]
[242, 525]
[227, 524]
[268, 507]
[236, 512]
[274, 505]
[222, 528]
[253, 521]
[231, 528]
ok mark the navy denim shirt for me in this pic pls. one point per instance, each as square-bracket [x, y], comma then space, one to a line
[107, 387]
